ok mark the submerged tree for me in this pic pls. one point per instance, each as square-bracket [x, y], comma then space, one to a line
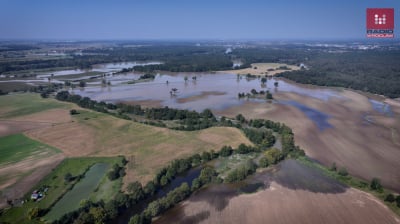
[269, 95]
[173, 91]
[263, 80]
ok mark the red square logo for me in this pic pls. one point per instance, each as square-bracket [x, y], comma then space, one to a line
[380, 23]
[380, 19]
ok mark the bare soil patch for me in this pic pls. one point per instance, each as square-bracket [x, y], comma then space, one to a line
[53, 116]
[8, 127]
[34, 121]
[72, 138]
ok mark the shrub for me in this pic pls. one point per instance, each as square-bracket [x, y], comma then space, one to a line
[333, 167]
[398, 201]
[390, 198]
[73, 112]
[264, 162]
[343, 172]
[375, 184]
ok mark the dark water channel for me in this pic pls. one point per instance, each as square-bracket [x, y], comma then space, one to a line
[187, 177]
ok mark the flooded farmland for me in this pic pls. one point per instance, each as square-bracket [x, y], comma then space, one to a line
[289, 192]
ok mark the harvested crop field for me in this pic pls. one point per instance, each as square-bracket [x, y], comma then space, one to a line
[293, 193]
[367, 149]
[94, 134]
[147, 148]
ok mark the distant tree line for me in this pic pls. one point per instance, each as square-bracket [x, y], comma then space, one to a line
[176, 57]
[193, 63]
[374, 71]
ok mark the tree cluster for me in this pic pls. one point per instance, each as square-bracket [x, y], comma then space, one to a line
[147, 76]
[262, 137]
[116, 172]
[241, 172]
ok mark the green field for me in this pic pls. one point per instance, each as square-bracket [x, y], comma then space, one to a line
[71, 200]
[20, 104]
[58, 187]
[15, 148]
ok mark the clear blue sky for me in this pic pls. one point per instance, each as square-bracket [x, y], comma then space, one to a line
[187, 19]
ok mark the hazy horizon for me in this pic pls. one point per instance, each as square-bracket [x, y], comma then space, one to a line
[183, 20]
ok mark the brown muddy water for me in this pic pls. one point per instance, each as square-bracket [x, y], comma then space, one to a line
[213, 91]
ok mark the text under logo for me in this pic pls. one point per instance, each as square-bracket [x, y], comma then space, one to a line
[380, 22]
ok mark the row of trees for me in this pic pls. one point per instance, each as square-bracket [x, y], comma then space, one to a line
[154, 208]
[188, 120]
[254, 93]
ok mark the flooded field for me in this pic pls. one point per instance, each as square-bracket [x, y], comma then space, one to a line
[330, 124]
[103, 68]
[214, 91]
[291, 193]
